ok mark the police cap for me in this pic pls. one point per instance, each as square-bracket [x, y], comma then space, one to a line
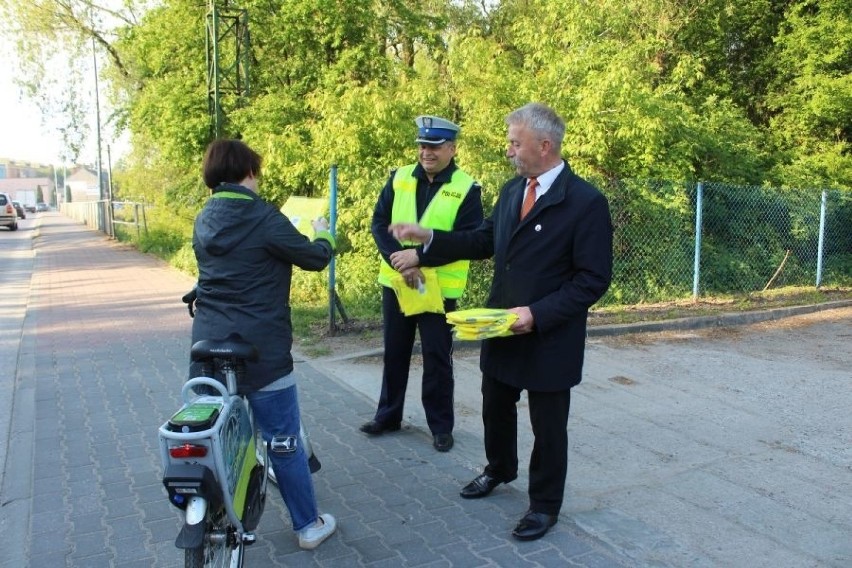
[435, 130]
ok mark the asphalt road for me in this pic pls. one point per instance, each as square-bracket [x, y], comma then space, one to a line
[16, 267]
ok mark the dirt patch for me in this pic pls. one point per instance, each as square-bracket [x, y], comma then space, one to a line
[365, 337]
[709, 306]
[731, 332]
[349, 338]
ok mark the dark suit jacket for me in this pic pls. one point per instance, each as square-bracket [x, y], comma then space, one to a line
[557, 261]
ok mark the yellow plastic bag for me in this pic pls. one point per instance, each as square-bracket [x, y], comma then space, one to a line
[425, 298]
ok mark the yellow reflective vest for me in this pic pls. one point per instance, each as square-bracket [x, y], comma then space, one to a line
[440, 214]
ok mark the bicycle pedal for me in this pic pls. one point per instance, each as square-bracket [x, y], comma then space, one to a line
[249, 538]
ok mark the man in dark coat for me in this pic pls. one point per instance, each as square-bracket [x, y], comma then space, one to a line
[550, 234]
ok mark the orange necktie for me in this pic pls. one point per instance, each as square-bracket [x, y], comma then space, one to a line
[529, 198]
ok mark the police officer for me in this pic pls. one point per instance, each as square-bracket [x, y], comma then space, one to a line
[435, 193]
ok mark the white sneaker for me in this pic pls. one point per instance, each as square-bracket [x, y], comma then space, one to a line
[314, 535]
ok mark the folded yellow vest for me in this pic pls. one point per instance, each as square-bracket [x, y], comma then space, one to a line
[481, 323]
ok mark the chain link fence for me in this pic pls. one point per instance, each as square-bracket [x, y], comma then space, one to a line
[675, 240]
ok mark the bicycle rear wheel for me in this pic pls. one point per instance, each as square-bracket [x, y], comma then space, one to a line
[220, 547]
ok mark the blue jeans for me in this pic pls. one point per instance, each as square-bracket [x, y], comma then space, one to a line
[276, 413]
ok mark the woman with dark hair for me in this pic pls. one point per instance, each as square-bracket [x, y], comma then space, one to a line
[246, 250]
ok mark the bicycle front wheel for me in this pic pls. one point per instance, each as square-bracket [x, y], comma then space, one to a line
[220, 547]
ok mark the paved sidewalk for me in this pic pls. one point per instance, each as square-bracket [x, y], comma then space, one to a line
[729, 447]
[102, 358]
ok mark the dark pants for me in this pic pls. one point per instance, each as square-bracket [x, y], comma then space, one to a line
[437, 344]
[549, 458]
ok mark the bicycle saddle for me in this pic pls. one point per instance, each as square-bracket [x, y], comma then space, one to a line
[232, 347]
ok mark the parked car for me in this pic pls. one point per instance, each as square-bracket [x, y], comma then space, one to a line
[20, 209]
[8, 215]
[42, 206]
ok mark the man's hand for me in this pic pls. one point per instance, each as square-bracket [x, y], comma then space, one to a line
[413, 277]
[404, 259]
[525, 320]
[410, 232]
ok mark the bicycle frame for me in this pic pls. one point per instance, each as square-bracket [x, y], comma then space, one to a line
[212, 464]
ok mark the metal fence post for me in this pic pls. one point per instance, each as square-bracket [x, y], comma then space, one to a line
[821, 242]
[136, 219]
[99, 216]
[332, 224]
[696, 268]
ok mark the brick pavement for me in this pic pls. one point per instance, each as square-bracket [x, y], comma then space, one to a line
[104, 354]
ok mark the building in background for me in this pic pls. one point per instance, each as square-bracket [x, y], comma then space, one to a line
[29, 190]
[28, 182]
[19, 178]
[82, 183]
[20, 169]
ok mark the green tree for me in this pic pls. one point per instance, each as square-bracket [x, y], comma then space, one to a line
[745, 92]
[812, 97]
[63, 34]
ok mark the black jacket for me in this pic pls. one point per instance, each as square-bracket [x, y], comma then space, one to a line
[246, 250]
[557, 261]
[469, 215]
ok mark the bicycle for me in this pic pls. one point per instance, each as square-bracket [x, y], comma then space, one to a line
[213, 459]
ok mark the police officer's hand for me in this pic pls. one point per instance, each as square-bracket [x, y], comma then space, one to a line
[404, 259]
[410, 232]
[525, 321]
[320, 224]
[413, 277]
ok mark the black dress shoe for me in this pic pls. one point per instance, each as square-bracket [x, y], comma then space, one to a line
[480, 487]
[375, 428]
[442, 442]
[533, 526]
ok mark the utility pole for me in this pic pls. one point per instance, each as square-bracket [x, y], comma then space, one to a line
[227, 63]
[98, 120]
[55, 187]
